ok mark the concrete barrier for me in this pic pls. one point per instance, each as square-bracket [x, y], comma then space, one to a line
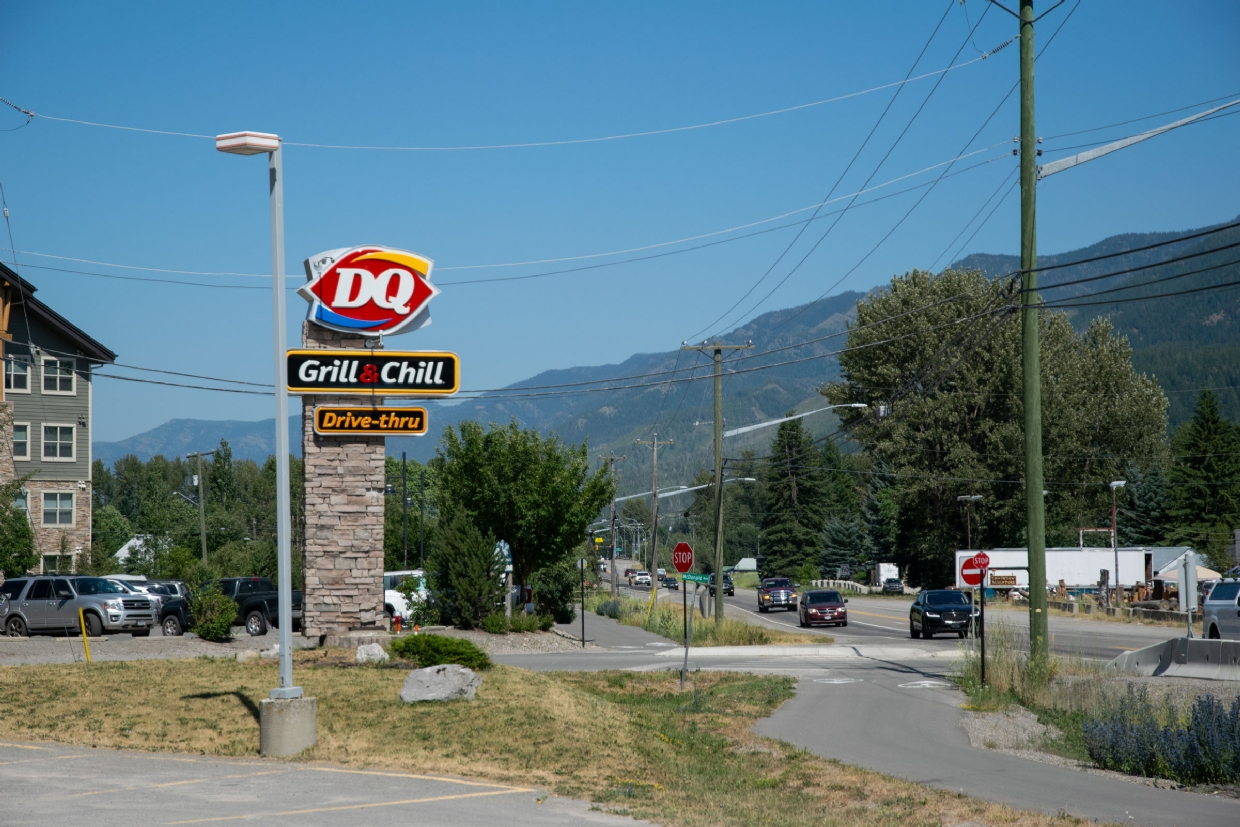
[1086, 607]
[1183, 658]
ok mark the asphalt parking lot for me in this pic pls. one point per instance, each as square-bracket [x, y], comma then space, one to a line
[53, 784]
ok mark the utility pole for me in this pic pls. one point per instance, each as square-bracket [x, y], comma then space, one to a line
[611, 467]
[422, 524]
[717, 354]
[1039, 632]
[968, 500]
[202, 501]
[654, 515]
[1119, 589]
[404, 502]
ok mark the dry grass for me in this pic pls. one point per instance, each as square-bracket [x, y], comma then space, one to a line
[1008, 607]
[668, 619]
[630, 742]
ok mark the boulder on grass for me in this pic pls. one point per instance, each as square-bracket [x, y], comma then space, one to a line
[446, 682]
[372, 653]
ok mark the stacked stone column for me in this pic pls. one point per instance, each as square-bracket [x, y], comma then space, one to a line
[344, 481]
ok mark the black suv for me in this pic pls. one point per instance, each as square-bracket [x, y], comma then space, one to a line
[728, 588]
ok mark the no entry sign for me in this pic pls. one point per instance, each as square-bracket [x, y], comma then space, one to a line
[682, 557]
[970, 572]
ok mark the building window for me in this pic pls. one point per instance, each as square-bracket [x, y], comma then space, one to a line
[21, 440]
[58, 564]
[58, 375]
[58, 443]
[57, 508]
[17, 374]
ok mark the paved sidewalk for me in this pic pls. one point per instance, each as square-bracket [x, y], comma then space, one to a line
[607, 633]
[54, 784]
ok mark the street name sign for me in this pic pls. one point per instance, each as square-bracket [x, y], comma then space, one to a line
[369, 290]
[343, 420]
[682, 557]
[691, 577]
[373, 372]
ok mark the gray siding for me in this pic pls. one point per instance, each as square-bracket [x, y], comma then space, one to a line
[39, 407]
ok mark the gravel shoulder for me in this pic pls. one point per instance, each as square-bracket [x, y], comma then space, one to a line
[48, 649]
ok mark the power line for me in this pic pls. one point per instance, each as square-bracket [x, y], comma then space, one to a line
[528, 144]
[990, 117]
[838, 180]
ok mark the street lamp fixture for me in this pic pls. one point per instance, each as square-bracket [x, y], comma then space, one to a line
[771, 422]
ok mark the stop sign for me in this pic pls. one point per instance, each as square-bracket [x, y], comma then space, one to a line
[981, 560]
[970, 572]
[682, 557]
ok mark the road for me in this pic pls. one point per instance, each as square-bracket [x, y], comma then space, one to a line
[886, 618]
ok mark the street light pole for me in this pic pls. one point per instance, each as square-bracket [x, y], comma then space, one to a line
[255, 143]
[1119, 589]
[404, 502]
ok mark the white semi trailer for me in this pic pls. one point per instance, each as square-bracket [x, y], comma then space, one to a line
[1076, 567]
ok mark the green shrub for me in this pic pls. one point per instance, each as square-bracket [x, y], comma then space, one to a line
[496, 624]
[432, 650]
[214, 614]
[464, 571]
[556, 589]
[532, 623]
[545, 622]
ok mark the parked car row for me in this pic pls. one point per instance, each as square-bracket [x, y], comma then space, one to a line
[51, 604]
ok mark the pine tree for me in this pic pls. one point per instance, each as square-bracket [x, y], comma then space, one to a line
[846, 543]
[797, 501]
[1142, 518]
[1204, 500]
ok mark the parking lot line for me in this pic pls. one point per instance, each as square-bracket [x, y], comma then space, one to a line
[507, 791]
[139, 787]
[409, 775]
[35, 760]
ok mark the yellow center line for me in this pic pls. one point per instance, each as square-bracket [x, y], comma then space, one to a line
[19, 746]
[358, 806]
[871, 614]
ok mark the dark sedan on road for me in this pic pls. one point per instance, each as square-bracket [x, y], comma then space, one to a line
[823, 606]
[939, 611]
[670, 583]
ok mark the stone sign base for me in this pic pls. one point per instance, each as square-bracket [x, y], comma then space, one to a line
[344, 480]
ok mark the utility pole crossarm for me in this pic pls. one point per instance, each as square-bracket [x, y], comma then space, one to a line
[716, 351]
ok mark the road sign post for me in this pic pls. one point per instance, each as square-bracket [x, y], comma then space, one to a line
[695, 579]
[980, 562]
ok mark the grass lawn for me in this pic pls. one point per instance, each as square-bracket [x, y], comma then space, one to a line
[630, 742]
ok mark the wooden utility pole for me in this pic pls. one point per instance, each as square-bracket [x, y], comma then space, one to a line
[654, 442]
[202, 501]
[1035, 507]
[611, 460]
[717, 353]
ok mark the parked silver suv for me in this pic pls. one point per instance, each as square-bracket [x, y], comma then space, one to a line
[1220, 613]
[51, 604]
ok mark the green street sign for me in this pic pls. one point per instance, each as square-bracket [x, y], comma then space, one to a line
[695, 578]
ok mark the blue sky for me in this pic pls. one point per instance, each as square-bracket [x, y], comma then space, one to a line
[432, 74]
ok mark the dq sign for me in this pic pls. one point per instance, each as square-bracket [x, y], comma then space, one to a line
[369, 290]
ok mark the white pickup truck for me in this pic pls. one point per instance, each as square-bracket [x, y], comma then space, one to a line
[394, 603]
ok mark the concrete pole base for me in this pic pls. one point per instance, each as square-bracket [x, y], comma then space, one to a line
[287, 726]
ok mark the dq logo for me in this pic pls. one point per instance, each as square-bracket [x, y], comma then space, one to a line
[369, 290]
